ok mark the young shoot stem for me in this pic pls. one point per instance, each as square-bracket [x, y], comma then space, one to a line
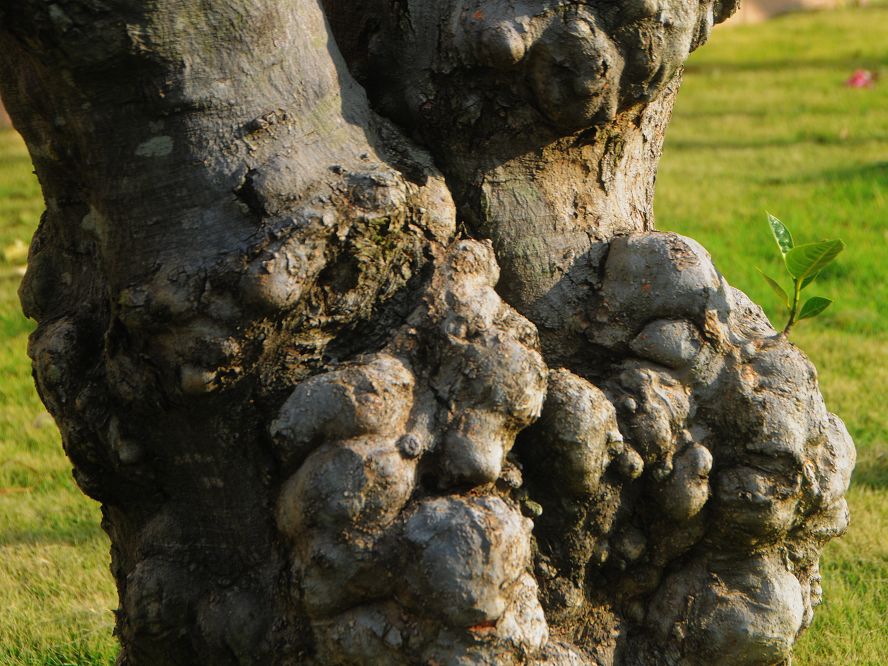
[794, 310]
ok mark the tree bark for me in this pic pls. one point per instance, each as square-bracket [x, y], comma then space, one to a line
[324, 427]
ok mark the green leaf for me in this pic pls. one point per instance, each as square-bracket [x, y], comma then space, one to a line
[808, 259]
[781, 234]
[808, 280]
[776, 287]
[813, 307]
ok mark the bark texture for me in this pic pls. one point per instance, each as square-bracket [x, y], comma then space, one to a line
[324, 427]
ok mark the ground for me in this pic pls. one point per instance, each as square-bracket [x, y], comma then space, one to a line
[763, 123]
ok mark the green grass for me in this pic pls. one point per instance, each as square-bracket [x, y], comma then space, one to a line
[56, 592]
[763, 123]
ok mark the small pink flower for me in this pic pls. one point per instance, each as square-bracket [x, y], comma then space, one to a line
[862, 78]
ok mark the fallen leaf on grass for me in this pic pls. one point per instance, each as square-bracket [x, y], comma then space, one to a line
[17, 252]
[42, 420]
[14, 272]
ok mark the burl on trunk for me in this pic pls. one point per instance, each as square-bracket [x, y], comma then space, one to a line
[359, 328]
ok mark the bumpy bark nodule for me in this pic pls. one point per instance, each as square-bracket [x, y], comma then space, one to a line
[324, 428]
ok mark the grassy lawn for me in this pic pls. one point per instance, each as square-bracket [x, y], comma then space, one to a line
[763, 123]
[55, 588]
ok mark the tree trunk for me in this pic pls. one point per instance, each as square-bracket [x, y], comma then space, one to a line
[323, 427]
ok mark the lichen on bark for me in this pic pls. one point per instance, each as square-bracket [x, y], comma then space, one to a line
[327, 427]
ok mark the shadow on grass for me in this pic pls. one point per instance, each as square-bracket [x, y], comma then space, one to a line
[865, 174]
[44, 537]
[872, 472]
[875, 172]
[785, 65]
[763, 113]
[831, 139]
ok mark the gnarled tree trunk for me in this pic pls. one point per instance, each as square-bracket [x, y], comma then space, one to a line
[359, 329]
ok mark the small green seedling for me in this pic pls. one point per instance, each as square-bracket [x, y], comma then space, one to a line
[804, 263]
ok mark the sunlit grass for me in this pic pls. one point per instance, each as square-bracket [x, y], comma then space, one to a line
[56, 591]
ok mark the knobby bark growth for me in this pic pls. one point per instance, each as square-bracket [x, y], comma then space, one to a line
[359, 330]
